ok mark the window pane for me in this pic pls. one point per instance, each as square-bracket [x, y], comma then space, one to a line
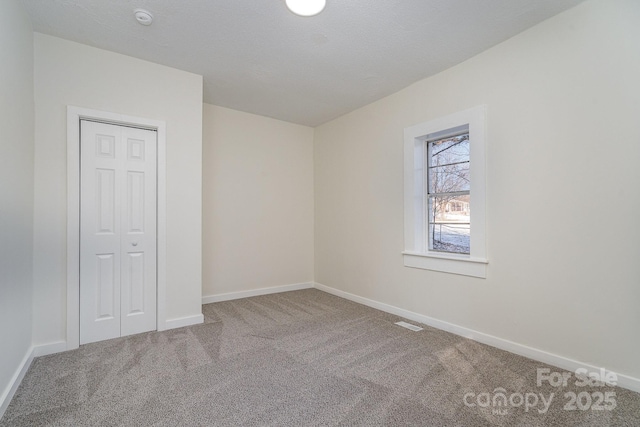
[449, 150]
[450, 238]
[445, 179]
[449, 164]
[449, 227]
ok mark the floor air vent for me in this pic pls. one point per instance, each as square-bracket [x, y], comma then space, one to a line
[414, 328]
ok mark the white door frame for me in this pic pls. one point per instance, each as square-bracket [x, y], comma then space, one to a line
[74, 115]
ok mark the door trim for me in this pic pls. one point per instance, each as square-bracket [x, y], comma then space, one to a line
[74, 115]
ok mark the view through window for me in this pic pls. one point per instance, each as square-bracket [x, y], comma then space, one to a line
[448, 192]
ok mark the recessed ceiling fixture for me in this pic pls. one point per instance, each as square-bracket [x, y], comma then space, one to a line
[143, 16]
[306, 7]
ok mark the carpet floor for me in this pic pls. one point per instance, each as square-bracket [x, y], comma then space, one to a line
[304, 358]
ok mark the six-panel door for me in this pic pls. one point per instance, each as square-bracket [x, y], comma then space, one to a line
[117, 231]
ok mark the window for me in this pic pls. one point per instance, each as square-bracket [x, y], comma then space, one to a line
[444, 194]
[448, 222]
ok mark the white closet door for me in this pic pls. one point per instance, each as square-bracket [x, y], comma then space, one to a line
[138, 240]
[117, 231]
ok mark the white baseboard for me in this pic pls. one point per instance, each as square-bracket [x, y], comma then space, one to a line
[18, 376]
[51, 348]
[183, 321]
[255, 292]
[15, 381]
[624, 381]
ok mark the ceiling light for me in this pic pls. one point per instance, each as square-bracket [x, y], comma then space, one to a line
[143, 16]
[306, 7]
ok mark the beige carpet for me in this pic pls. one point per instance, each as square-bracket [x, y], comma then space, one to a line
[301, 358]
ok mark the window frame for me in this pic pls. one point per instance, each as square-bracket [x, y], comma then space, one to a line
[416, 252]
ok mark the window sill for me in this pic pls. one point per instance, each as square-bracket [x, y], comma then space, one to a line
[447, 263]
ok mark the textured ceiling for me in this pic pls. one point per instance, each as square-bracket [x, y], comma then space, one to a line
[258, 57]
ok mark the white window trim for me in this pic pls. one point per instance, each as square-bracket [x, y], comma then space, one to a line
[415, 253]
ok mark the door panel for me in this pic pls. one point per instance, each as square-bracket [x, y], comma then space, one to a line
[118, 231]
[135, 202]
[105, 198]
[136, 283]
[106, 286]
[138, 243]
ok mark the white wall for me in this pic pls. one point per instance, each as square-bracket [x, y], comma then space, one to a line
[257, 200]
[68, 73]
[563, 198]
[16, 189]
